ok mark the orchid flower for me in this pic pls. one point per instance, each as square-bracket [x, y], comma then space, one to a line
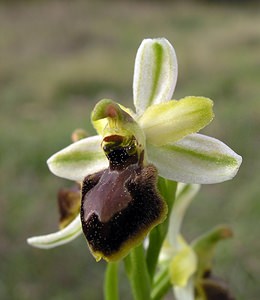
[190, 265]
[123, 159]
[176, 254]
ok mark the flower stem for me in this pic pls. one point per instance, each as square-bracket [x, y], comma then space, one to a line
[111, 281]
[136, 269]
[155, 243]
[141, 266]
[167, 189]
[161, 284]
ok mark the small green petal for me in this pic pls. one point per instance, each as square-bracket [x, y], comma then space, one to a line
[195, 159]
[173, 120]
[117, 121]
[99, 119]
[183, 266]
[79, 159]
[64, 236]
[99, 125]
[155, 73]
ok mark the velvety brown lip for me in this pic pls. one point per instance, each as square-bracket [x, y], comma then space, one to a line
[120, 205]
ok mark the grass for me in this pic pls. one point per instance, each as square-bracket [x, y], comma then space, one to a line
[58, 58]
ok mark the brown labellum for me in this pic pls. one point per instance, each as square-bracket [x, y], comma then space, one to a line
[120, 205]
[69, 204]
[214, 288]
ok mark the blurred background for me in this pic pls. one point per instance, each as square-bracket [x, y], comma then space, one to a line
[57, 59]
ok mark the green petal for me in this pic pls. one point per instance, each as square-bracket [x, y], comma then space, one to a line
[79, 159]
[155, 73]
[171, 121]
[116, 120]
[183, 266]
[195, 159]
[64, 236]
[100, 124]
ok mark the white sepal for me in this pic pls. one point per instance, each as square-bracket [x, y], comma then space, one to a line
[63, 236]
[79, 159]
[195, 159]
[155, 73]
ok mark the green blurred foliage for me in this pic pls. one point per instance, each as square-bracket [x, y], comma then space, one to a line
[57, 59]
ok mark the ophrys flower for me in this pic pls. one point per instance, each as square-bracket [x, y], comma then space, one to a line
[160, 135]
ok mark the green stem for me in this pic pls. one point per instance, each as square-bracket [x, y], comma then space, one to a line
[111, 281]
[153, 251]
[167, 189]
[161, 285]
[136, 269]
[141, 268]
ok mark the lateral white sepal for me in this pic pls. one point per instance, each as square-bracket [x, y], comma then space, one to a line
[63, 236]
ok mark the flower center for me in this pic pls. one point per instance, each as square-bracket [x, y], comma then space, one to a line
[121, 151]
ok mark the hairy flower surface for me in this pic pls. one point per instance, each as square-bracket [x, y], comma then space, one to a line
[122, 161]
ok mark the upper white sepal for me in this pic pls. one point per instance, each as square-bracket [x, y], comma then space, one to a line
[155, 73]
